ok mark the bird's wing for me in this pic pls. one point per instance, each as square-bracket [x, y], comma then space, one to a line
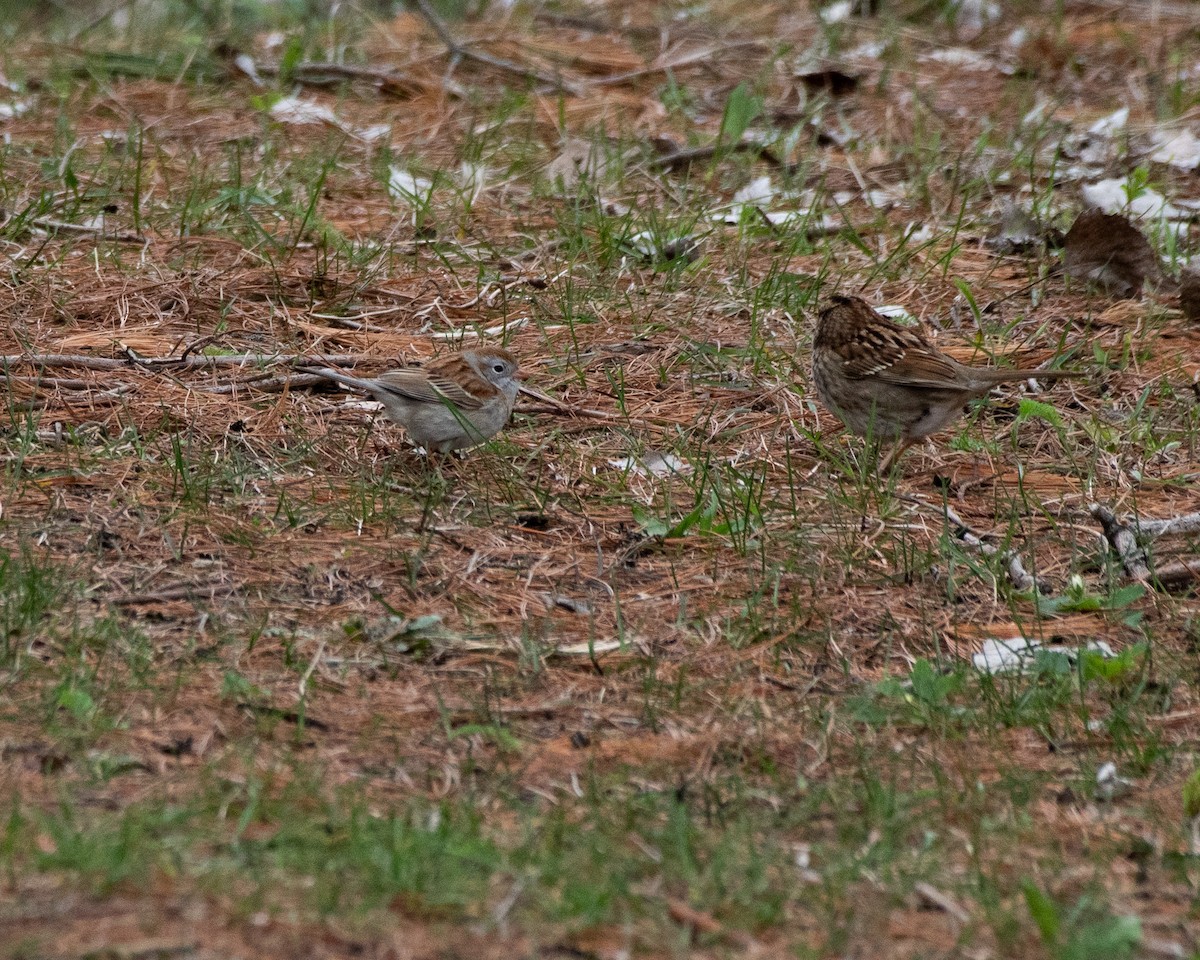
[919, 365]
[425, 387]
[897, 356]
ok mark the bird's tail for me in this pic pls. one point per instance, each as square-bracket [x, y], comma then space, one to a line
[1001, 375]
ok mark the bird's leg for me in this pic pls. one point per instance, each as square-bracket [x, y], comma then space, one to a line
[901, 446]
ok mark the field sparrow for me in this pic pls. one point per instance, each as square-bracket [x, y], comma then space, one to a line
[888, 380]
[451, 403]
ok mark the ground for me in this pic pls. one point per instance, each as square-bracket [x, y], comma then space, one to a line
[667, 668]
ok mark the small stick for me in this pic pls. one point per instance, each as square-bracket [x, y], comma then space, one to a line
[677, 158]
[180, 591]
[1188, 523]
[1020, 578]
[459, 49]
[566, 410]
[60, 226]
[1121, 538]
[267, 385]
[61, 383]
[88, 362]
[683, 60]
[388, 81]
[1178, 574]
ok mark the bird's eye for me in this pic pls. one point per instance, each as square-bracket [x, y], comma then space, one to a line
[499, 368]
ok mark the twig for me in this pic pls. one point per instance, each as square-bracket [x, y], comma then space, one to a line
[1178, 574]
[388, 81]
[290, 716]
[459, 49]
[1020, 578]
[677, 158]
[181, 591]
[88, 362]
[1121, 538]
[349, 323]
[60, 383]
[688, 916]
[266, 385]
[566, 410]
[488, 332]
[312, 665]
[662, 66]
[60, 226]
[1188, 523]
[943, 901]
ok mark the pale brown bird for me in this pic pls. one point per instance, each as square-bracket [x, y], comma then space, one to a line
[454, 402]
[889, 381]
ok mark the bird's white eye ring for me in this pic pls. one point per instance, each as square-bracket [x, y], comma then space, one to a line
[499, 367]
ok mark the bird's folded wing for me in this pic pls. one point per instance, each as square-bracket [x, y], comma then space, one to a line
[921, 367]
[893, 356]
[424, 387]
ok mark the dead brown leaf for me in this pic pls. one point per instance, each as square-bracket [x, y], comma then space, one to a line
[1189, 293]
[1108, 250]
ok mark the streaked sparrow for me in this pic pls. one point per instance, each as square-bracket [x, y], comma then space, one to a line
[453, 402]
[889, 381]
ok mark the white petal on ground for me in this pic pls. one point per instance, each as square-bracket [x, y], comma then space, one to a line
[1180, 149]
[973, 15]
[837, 12]
[245, 63]
[652, 465]
[1014, 654]
[375, 132]
[15, 109]
[958, 57]
[1112, 196]
[758, 190]
[473, 178]
[893, 311]
[406, 186]
[295, 110]
[1112, 124]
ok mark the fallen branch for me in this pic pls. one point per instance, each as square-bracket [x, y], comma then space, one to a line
[458, 49]
[58, 383]
[663, 65]
[267, 384]
[180, 591]
[686, 155]
[1020, 578]
[60, 226]
[88, 362]
[1178, 574]
[1121, 538]
[322, 74]
[1188, 523]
